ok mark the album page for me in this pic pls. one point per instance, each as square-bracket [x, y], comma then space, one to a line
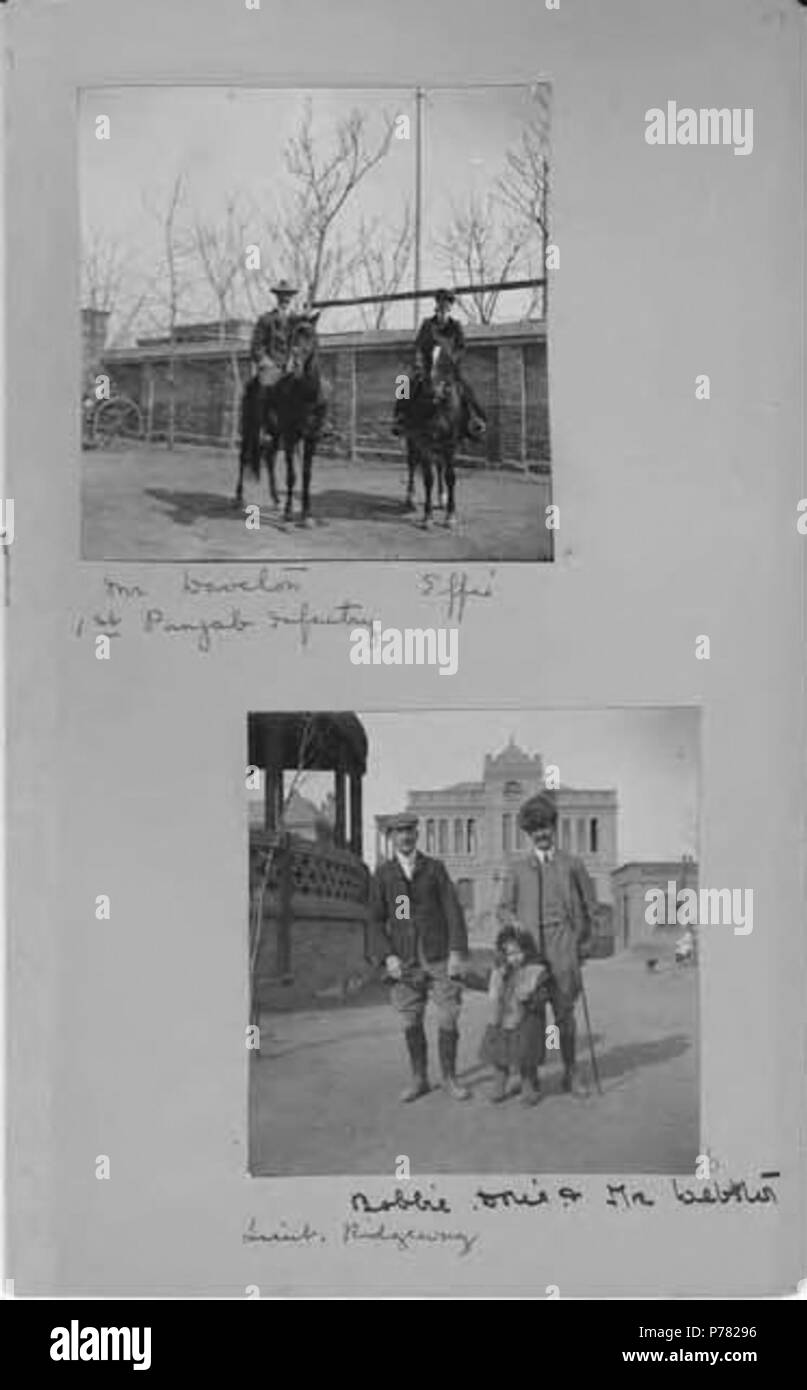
[404, 530]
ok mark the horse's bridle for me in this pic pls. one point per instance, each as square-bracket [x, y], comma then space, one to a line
[440, 388]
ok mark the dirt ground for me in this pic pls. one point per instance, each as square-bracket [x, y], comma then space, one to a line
[147, 503]
[324, 1091]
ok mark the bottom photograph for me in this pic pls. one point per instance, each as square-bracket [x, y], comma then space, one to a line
[452, 951]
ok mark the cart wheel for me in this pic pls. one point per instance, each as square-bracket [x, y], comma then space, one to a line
[116, 420]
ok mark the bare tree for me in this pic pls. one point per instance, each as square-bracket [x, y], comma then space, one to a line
[382, 260]
[253, 226]
[174, 283]
[305, 233]
[221, 253]
[478, 247]
[110, 284]
[523, 188]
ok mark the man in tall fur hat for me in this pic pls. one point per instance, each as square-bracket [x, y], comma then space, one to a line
[549, 893]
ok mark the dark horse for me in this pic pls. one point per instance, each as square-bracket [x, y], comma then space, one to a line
[284, 405]
[434, 420]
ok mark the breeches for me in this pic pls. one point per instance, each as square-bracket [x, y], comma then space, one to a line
[410, 996]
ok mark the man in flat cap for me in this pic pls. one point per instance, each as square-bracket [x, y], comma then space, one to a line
[549, 893]
[421, 940]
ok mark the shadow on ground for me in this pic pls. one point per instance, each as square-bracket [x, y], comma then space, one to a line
[185, 508]
[620, 1061]
[343, 505]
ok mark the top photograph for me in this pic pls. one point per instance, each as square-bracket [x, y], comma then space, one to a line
[314, 324]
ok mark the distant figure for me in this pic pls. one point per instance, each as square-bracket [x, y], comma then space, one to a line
[685, 948]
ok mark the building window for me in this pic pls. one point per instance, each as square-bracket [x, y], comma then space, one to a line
[470, 836]
[593, 835]
[507, 833]
[430, 837]
[513, 789]
[458, 837]
[581, 836]
[566, 835]
[442, 837]
[465, 893]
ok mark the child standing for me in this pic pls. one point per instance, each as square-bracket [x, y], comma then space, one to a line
[514, 1039]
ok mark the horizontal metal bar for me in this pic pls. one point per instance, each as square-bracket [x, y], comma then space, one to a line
[401, 295]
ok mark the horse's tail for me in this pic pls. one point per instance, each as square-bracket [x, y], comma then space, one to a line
[251, 458]
[251, 419]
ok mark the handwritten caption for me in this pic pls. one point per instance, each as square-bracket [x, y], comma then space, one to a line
[195, 608]
[358, 1229]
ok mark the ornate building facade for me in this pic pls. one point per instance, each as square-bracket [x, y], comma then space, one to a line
[473, 828]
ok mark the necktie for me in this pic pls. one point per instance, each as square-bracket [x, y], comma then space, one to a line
[540, 868]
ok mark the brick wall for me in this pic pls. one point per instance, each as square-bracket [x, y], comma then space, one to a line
[506, 364]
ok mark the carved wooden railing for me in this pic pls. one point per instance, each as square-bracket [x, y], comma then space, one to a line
[318, 874]
[294, 881]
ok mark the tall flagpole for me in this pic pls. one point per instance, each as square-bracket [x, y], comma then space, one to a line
[418, 194]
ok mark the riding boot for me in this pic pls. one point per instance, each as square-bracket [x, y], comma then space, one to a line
[447, 1040]
[417, 1048]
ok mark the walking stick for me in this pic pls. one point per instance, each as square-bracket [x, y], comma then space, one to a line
[590, 1035]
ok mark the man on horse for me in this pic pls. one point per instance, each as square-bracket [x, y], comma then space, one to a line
[283, 401]
[272, 333]
[441, 327]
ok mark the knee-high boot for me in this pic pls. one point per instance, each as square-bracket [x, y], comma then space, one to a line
[418, 1051]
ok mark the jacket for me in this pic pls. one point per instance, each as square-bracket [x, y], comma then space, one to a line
[426, 341]
[272, 335]
[563, 935]
[435, 924]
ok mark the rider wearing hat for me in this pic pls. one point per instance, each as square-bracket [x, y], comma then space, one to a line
[270, 337]
[442, 325]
